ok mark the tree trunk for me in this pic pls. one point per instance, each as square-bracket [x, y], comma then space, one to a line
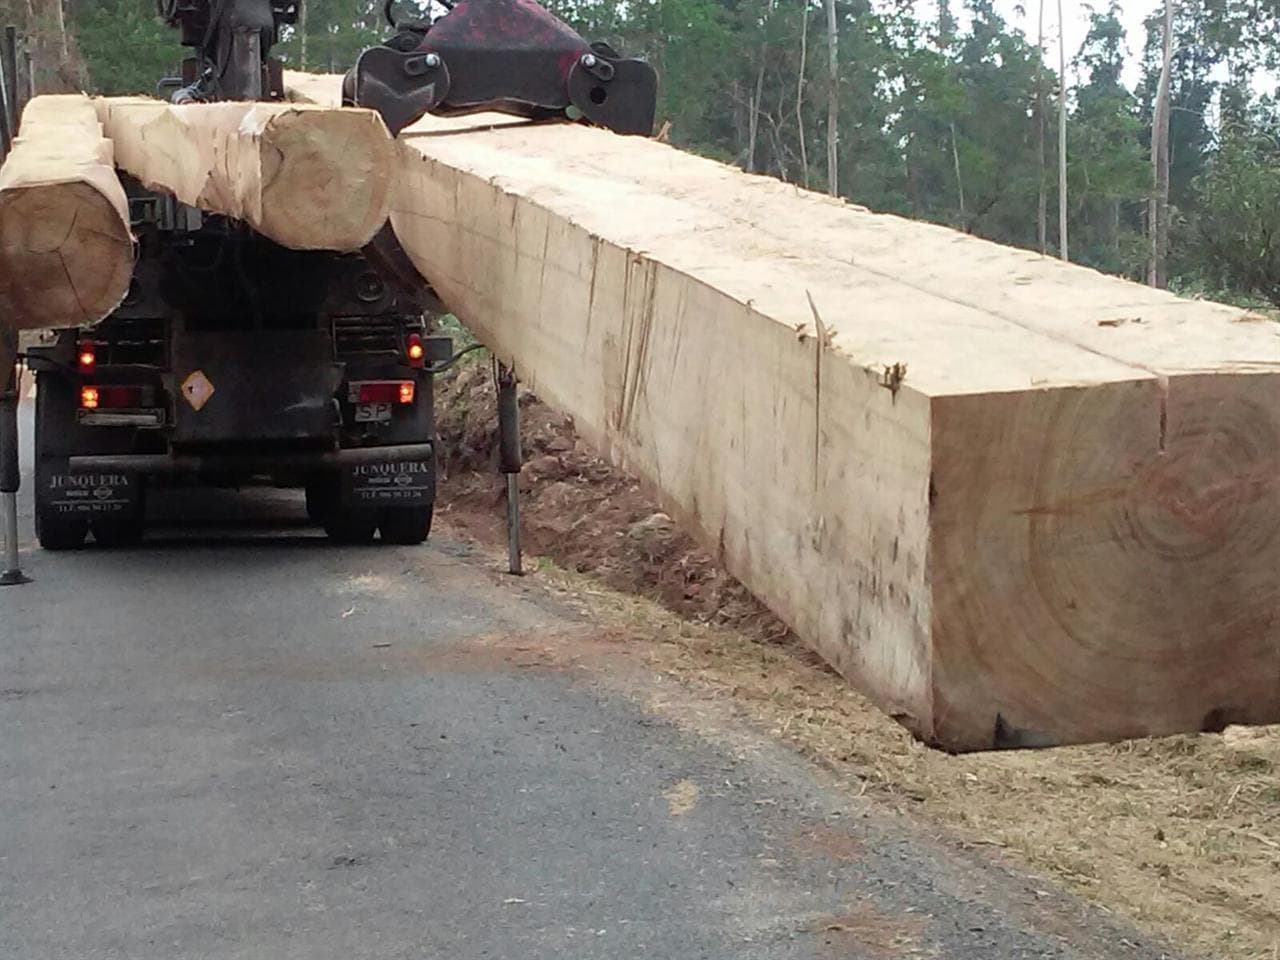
[955, 157]
[946, 25]
[1158, 206]
[1062, 138]
[753, 129]
[1042, 198]
[302, 36]
[946, 34]
[833, 102]
[753, 118]
[775, 130]
[804, 56]
[60, 19]
[33, 40]
[60, 69]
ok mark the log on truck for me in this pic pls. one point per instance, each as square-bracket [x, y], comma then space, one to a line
[66, 251]
[306, 177]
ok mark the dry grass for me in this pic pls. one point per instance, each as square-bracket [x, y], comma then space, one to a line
[1180, 835]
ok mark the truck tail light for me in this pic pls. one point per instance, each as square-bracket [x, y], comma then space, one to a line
[384, 391]
[96, 397]
[415, 349]
[86, 355]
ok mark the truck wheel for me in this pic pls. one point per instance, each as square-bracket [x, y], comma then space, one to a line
[59, 533]
[126, 531]
[118, 533]
[406, 525]
[350, 526]
[320, 497]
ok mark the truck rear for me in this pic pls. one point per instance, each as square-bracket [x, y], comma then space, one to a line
[235, 361]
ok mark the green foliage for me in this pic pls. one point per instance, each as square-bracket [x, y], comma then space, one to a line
[448, 325]
[938, 117]
[1237, 223]
[1109, 173]
[125, 46]
[337, 30]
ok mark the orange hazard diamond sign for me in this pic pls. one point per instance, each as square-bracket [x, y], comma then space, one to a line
[197, 389]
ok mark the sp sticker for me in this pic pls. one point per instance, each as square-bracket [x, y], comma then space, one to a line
[197, 389]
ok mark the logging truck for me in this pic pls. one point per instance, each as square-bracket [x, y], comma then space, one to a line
[244, 355]
[234, 361]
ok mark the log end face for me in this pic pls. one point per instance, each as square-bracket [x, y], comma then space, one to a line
[325, 177]
[66, 256]
[1105, 562]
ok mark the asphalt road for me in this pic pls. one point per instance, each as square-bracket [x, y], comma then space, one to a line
[239, 742]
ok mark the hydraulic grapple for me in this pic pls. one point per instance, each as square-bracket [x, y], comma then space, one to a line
[509, 56]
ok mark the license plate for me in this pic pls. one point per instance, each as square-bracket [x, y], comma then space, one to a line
[373, 412]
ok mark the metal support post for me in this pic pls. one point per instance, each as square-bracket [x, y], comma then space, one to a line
[510, 459]
[8, 97]
[6, 137]
[10, 475]
[12, 85]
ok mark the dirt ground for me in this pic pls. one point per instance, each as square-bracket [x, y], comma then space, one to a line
[1180, 835]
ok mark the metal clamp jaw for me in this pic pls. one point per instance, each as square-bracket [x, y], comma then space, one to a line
[613, 91]
[509, 56]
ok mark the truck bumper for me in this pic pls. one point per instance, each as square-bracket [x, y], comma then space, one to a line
[153, 464]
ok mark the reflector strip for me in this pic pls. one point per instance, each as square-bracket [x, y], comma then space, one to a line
[95, 397]
[382, 391]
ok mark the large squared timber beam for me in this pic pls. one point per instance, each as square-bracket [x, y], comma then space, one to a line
[66, 252]
[1017, 502]
[305, 176]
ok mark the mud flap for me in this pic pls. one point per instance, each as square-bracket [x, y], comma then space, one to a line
[407, 483]
[89, 496]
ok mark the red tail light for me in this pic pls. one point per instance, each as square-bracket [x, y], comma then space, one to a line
[384, 391]
[415, 349]
[94, 397]
[86, 355]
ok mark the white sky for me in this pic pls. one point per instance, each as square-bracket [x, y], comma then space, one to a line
[1075, 15]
